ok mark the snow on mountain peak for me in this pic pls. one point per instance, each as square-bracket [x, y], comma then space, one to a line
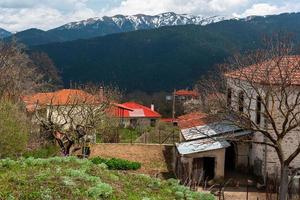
[141, 21]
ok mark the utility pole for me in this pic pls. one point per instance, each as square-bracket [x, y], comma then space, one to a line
[173, 108]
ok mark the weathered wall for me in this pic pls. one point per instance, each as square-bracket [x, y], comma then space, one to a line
[219, 156]
[155, 158]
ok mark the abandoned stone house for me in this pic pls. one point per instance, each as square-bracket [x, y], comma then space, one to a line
[209, 146]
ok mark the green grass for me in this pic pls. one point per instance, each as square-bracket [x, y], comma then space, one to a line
[72, 178]
[128, 135]
[43, 152]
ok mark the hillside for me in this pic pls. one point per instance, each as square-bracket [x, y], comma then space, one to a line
[100, 26]
[4, 33]
[164, 58]
[72, 178]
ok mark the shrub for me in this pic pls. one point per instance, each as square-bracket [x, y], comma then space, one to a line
[14, 129]
[117, 164]
[43, 152]
[101, 190]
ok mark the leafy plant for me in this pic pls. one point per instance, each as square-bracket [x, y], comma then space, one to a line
[117, 164]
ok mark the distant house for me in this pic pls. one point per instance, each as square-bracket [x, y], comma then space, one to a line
[139, 115]
[186, 95]
[58, 103]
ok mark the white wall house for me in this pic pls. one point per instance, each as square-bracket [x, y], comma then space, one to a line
[245, 89]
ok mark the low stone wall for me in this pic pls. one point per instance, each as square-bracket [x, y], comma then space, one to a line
[156, 159]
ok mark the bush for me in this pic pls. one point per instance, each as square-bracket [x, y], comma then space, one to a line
[14, 129]
[117, 164]
[43, 152]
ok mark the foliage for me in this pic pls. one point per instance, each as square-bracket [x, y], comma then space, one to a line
[117, 164]
[72, 178]
[43, 152]
[14, 129]
[165, 58]
[128, 135]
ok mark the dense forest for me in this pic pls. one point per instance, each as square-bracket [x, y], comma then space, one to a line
[165, 58]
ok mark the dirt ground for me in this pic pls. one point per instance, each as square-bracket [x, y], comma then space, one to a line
[241, 194]
[154, 158]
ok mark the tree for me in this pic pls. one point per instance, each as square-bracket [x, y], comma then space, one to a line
[17, 74]
[263, 96]
[44, 65]
[14, 129]
[75, 120]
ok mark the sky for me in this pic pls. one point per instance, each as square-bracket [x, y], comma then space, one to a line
[18, 15]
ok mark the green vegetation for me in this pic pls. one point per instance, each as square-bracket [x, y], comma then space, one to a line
[128, 135]
[43, 152]
[14, 129]
[165, 58]
[72, 178]
[117, 164]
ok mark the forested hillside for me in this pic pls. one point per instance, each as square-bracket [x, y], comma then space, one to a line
[164, 58]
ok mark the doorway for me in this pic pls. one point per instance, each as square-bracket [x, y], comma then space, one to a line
[209, 167]
[230, 158]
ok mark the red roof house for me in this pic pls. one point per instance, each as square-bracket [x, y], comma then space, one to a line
[139, 111]
[187, 93]
[136, 114]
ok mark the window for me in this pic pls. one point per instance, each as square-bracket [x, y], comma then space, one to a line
[258, 109]
[241, 102]
[133, 123]
[152, 122]
[229, 96]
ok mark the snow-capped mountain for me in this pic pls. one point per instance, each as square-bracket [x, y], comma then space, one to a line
[101, 26]
[4, 33]
[138, 22]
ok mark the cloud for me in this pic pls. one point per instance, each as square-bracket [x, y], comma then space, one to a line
[203, 7]
[269, 9]
[17, 15]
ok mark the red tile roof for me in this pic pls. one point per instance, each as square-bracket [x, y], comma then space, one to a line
[169, 120]
[61, 97]
[278, 70]
[139, 111]
[193, 119]
[187, 93]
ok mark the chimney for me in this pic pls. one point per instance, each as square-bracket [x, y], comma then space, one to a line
[101, 93]
[152, 107]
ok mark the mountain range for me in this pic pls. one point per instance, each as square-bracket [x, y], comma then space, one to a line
[4, 33]
[163, 58]
[101, 26]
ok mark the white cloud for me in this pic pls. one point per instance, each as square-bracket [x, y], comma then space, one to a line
[269, 9]
[179, 6]
[17, 15]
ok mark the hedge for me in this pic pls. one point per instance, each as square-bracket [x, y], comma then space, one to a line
[117, 164]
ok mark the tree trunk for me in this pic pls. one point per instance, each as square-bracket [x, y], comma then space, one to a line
[284, 183]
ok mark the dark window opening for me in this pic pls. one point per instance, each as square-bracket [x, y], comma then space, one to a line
[229, 96]
[258, 110]
[133, 122]
[241, 102]
[152, 122]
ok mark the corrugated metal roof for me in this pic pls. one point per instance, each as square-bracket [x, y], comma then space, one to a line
[208, 130]
[203, 145]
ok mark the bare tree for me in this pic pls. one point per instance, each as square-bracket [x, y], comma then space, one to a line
[73, 117]
[17, 74]
[51, 76]
[263, 95]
